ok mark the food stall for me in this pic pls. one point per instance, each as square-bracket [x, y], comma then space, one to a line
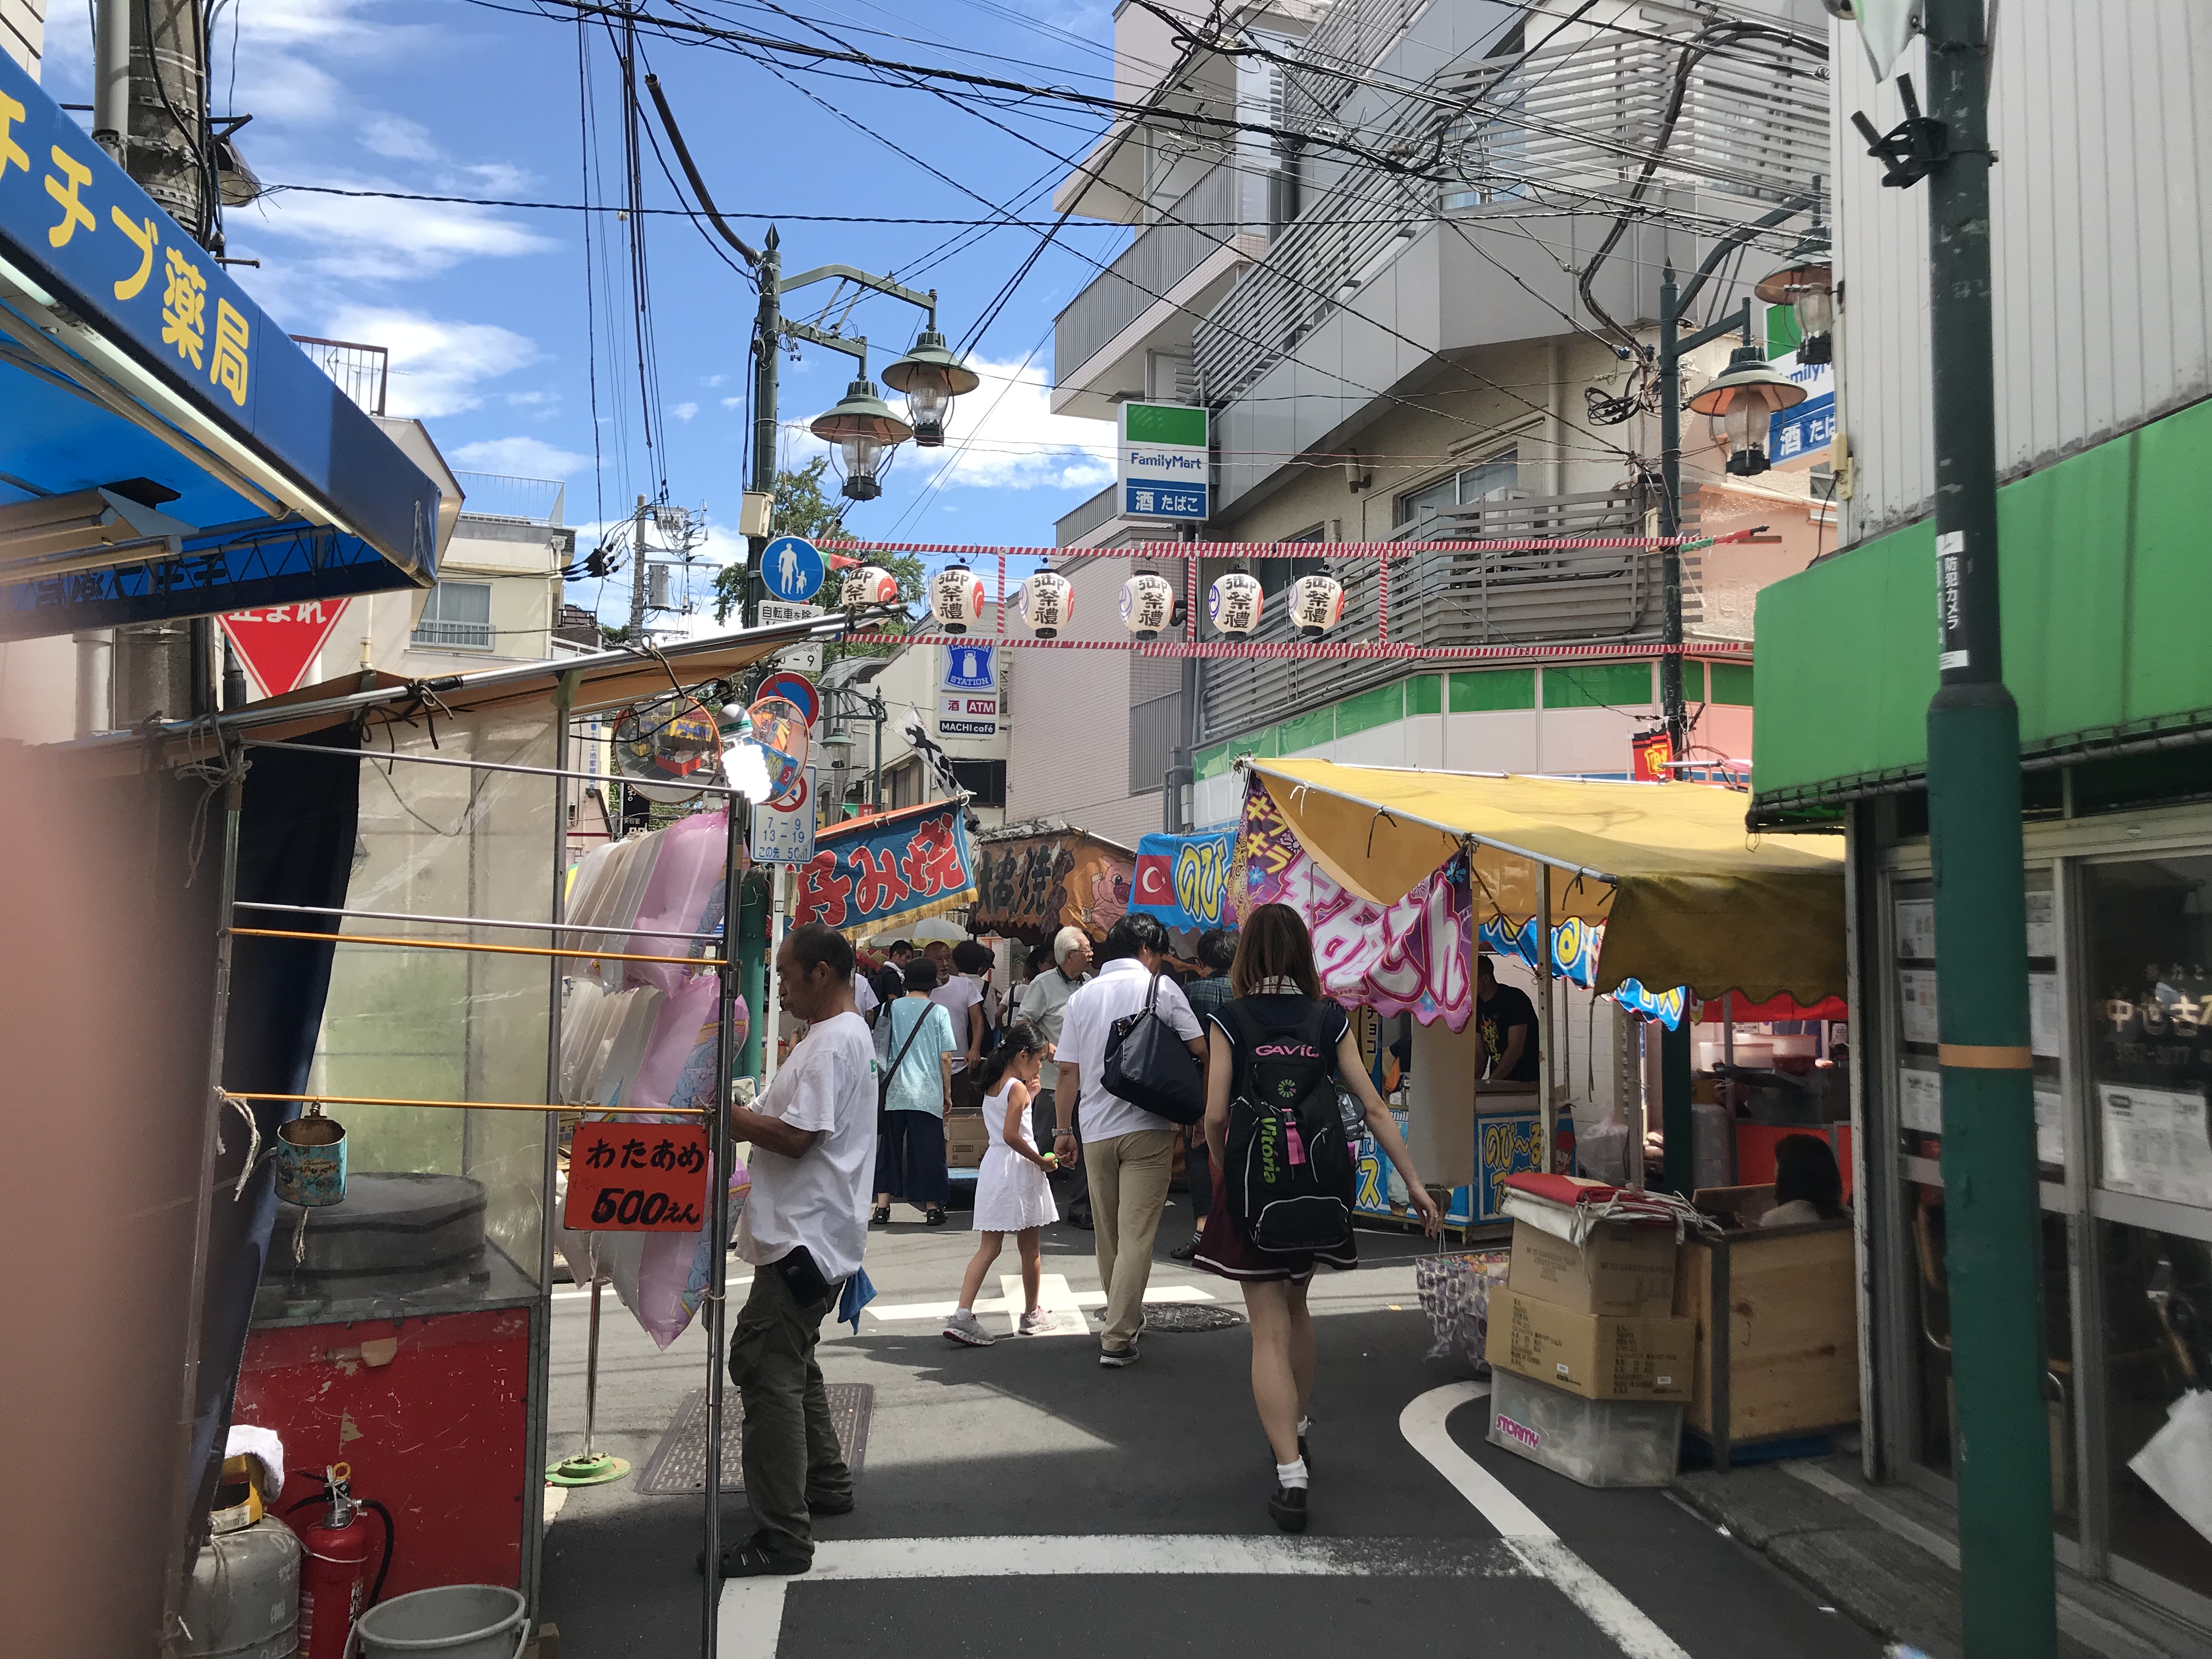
[1622, 907]
[382, 1156]
[1034, 878]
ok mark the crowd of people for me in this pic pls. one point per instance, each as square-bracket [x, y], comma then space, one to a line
[1249, 1056]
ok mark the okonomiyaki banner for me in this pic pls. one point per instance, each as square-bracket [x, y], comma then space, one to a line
[1184, 879]
[871, 869]
[1414, 957]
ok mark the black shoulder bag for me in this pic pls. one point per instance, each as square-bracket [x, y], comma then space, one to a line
[1148, 1065]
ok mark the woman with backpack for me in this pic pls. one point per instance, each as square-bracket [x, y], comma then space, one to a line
[1284, 1169]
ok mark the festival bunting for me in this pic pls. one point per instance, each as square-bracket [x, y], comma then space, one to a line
[911, 863]
[1184, 879]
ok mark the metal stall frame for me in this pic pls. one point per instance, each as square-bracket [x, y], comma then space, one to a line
[227, 734]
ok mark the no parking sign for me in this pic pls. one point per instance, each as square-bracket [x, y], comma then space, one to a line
[783, 831]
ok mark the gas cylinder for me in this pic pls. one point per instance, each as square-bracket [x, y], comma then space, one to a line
[244, 1591]
[336, 1577]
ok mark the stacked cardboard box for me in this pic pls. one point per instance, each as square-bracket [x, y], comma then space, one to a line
[966, 1140]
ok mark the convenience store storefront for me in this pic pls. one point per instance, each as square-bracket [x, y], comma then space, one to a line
[2099, 556]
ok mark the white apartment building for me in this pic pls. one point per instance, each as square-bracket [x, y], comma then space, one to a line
[1413, 310]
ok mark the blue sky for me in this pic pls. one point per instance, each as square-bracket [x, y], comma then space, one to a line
[484, 308]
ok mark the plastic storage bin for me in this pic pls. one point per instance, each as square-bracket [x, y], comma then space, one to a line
[1600, 1442]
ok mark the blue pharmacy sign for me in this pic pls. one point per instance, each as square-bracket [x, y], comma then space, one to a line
[136, 364]
[792, 567]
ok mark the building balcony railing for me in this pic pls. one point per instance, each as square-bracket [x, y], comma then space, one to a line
[1564, 131]
[1074, 525]
[1440, 599]
[512, 500]
[1204, 219]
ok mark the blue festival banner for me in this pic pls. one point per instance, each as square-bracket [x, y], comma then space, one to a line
[869, 870]
[1184, 879]
[1575, 947]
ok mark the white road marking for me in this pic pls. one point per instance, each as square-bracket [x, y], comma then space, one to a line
[1422, 1423]
[751, 1623]
[1054, 1295]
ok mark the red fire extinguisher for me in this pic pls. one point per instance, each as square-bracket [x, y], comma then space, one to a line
[335, 1585]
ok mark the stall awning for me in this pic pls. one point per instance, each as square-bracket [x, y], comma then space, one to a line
[166, 450]
[1689, 896]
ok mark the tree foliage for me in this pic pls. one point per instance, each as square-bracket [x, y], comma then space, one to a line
[804, 508]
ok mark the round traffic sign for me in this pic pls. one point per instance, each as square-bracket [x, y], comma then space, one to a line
[792, 567]
[794, 687]
[805, 789]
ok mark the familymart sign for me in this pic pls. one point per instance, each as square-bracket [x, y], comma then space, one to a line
[1165, 466]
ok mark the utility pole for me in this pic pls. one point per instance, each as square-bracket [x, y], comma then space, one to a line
[767, 345]
[1993, 1250]
[637, 577]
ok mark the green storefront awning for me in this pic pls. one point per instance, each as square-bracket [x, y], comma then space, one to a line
[2102, 563]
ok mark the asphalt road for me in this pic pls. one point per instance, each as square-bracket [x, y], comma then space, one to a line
[1021, 1494]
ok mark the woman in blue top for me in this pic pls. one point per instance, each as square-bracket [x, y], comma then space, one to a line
[910, 1033]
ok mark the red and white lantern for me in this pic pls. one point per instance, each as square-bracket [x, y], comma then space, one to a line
[1147, 605]
[870, 585]
[956, 599]
[1234, 601]
[1047, 603]
[1316, 605]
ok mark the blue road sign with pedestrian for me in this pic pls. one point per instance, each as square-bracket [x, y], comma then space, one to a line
[792, 567]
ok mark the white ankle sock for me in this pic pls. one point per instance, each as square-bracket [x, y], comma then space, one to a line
[1305, 1426]
[1291, 1476]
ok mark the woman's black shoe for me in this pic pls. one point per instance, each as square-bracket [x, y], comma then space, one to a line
[1184, 1252]
[1288, 1506]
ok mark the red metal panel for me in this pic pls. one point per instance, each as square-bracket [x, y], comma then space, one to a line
[440, 1434]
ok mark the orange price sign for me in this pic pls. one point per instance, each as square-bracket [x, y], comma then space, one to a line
[637, 1178]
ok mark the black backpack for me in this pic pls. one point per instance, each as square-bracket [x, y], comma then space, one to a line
[1290, 1172]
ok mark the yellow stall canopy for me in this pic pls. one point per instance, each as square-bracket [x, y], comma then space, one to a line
[1688, 896]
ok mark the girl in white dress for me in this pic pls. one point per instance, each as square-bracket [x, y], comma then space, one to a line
[1014, 1189]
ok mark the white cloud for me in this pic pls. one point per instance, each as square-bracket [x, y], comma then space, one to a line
[1004, 435]
[519, 457]
[733, 403]
[436, 366]
[399, 137]
[684, 411]
[368, 239]
[714, 380]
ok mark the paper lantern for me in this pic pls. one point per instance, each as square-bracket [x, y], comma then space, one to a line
[1316, 605]
[955, 598]
[1233, 604]
[870, 585]
[1147, 605]
[1047, 603]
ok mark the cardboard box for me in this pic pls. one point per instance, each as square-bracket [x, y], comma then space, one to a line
[1596, 1355]
[966, 1140]
[1620, 1271]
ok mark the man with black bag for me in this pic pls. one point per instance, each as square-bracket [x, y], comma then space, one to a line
[804, 1229]
[1126, 1152]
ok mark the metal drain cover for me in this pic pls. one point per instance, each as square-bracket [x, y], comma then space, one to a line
[1190, 1317]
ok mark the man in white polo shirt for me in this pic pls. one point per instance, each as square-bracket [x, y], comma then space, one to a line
[1126, 1152]
[804, 1229]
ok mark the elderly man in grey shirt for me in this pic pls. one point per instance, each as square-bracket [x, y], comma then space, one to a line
[1045, 1005]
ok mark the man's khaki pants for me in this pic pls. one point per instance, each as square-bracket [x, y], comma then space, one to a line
[1128, 1190]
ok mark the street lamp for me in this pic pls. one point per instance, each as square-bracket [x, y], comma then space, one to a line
[1746, 396]
[930, 377]
[864, 431]
[1807, 284]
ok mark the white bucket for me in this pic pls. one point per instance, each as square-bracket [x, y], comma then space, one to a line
[452, 1621]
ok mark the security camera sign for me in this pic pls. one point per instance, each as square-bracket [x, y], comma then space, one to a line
[1165, 468]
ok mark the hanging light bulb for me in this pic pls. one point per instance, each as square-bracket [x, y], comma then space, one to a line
[1234, 601]
[1147, 605]
[1316, 604]
[869, 585]
[931, 377]
[1047, 603]
[955, 598]
[864, 432]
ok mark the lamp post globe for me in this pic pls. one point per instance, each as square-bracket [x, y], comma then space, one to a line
[1745, 395]
[864, 431]
[1807, 284]
[930, 377]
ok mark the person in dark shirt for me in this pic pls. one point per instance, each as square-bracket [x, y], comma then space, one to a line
[1508, 1022]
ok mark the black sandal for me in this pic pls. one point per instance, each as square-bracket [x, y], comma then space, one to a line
[933, 1216]
[880, 1215]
